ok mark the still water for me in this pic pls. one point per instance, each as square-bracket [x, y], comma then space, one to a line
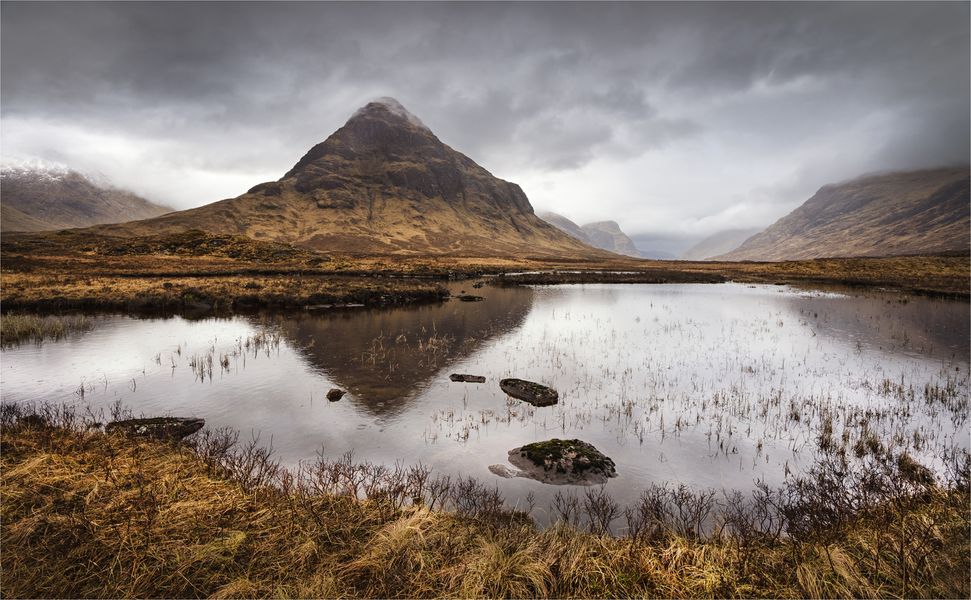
[709, 385]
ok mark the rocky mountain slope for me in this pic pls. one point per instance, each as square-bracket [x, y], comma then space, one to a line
[605, 235]
[890, 214]
[718, 243]
[381, 184]
[40, 199]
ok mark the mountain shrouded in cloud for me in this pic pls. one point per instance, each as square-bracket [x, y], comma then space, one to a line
[605, 235]
[381, 184]
[718, 243]
[48, 197]
[889, 214]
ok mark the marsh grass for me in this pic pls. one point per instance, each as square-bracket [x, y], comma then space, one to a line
[21, 328]
[90, 514]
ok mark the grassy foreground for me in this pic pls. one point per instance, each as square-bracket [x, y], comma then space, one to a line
[85, 514]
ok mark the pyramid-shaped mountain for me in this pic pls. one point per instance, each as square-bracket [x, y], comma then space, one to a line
[381, 184]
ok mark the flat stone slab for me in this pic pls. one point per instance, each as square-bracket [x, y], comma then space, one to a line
[560, 462]
[467, 378]
[528, 391]
[174, 428]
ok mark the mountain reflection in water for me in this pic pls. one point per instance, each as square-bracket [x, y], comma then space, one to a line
[385, 357]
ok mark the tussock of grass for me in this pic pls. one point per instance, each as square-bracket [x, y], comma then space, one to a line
[88, 514]
[20, 328]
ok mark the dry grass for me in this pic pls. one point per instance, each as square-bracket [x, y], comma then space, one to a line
[50, 291]
[43, 270]
[18, 328]
[86, 514]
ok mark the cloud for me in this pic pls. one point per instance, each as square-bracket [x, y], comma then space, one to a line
[674, 119]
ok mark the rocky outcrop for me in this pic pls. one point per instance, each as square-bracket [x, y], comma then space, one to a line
[528, 391]
[561, 462]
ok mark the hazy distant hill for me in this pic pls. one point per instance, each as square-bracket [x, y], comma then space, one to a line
[38, 199]
[381, 184]
[913, 212]
[565, 225]
[606, 235]
[718, 243]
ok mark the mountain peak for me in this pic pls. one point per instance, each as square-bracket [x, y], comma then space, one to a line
[387, 104]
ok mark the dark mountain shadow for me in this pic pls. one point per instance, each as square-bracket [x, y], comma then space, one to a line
[383, 357]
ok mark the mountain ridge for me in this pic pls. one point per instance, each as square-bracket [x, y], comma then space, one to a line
[606, 235]
[35, 198]
[916, 212]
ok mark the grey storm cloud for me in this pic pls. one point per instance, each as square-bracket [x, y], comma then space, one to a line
[673, 118]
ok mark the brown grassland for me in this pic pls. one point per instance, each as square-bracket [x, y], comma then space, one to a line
[89, 514]
[201, 272]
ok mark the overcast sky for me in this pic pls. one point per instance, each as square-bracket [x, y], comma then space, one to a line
[676, 120]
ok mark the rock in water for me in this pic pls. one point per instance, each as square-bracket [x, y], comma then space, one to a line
[335, 394]
[467, 378]
[470, 298]
[527, 391]
[562, 462]
[158, 427]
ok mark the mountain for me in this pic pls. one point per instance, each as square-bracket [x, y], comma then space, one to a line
[381, 184]
[565, 225]
[718, 243]
[605, 235]
[900, 213]
[657, 254]
[46, 198]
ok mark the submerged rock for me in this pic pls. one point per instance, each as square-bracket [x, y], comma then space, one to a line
[467, 378]
[528, 391]
[562, 462]
[335, 394]
[470, 298]
[504, 471]
[158, 427]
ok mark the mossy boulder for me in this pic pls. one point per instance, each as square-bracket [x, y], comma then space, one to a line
[559, 461]
[528, 391]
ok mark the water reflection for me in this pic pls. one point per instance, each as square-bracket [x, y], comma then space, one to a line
[387, 357]
[893, 324]
[709, 385]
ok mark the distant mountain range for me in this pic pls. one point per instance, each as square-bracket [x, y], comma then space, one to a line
[38, 198]
[381, 184]
[605, 235]
[718, 243]
[913, 212]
